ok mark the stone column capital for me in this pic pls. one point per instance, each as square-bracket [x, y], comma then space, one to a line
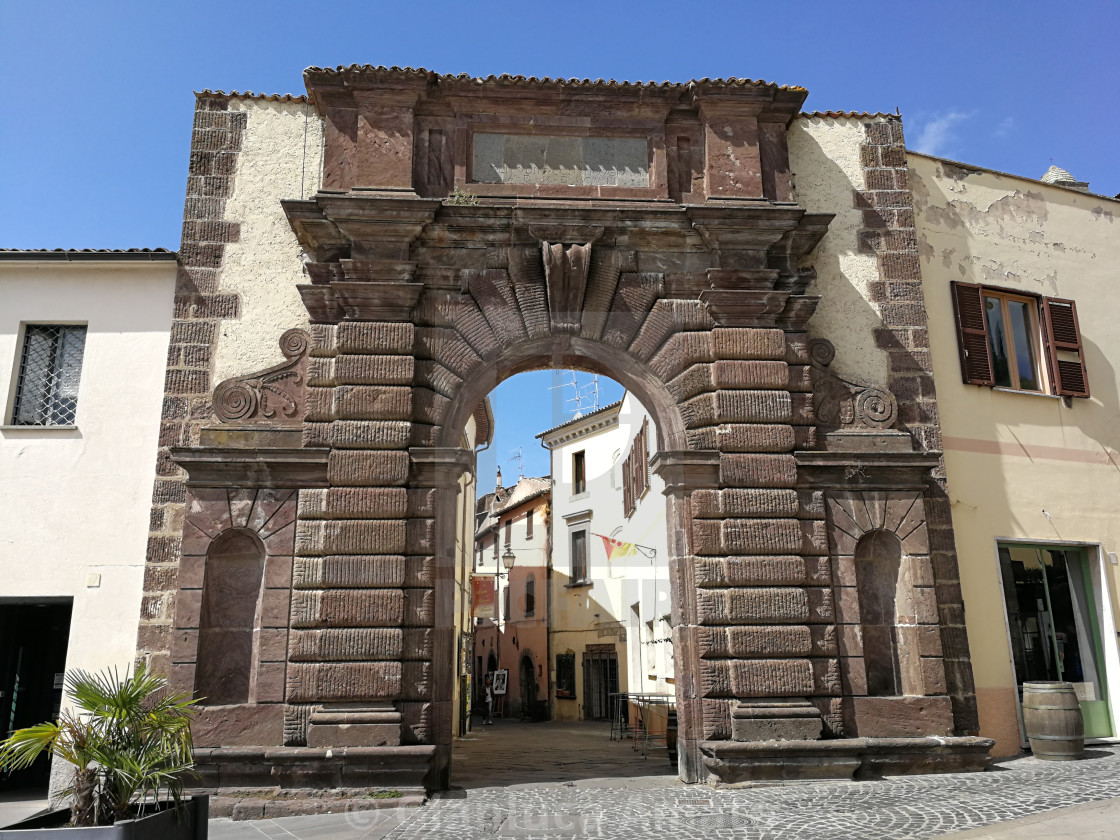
[439, 466]
[684, 470]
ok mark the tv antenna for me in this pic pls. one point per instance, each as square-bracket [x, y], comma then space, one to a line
[520, 459]
[584, 398]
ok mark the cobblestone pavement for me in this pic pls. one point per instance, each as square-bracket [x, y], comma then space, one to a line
[910, 807]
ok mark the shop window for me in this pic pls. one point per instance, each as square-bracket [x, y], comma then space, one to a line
[1017, 341]
[230, 594]
[565, 675]
[1051, 599]
[49, 370]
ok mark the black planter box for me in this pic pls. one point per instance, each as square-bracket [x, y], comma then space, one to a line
[187, 822]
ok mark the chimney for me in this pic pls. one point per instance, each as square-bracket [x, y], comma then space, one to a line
[498, 483]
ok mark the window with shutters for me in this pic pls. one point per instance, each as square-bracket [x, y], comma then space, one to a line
[635, 471]
[1017, 341]
[49, 370]
[530, 596]
[509, 531]
[529, 525]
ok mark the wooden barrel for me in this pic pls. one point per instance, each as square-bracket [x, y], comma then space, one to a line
[1052, 717]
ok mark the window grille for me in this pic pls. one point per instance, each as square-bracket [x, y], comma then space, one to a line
[49, 370]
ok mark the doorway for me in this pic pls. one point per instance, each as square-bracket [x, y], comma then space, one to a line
[600, 680]
[33, 643]
[1055, 626]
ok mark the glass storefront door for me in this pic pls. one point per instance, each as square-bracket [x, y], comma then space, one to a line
[1054, 627]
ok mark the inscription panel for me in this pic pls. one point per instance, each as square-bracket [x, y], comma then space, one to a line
[560, 160]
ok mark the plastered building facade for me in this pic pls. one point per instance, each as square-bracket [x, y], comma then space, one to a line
[1031, 463]
[83, 348]
[406, 241]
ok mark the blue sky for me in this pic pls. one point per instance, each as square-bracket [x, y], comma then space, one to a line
[95, 128]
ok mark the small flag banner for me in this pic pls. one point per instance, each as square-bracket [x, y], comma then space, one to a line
[483, 597]
[615, 548]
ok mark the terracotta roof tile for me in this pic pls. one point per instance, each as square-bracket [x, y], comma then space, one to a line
[533, 81]
[862, 115]
[87, 253]
[270, 97]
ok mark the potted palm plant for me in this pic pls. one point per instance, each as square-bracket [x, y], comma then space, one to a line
[128, 741]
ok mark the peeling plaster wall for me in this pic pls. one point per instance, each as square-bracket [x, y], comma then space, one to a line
[281, 158]
[827, 170]
[1011, 455]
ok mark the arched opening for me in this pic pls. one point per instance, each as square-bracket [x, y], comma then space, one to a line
[231, 596]
[571, 542]
[878, 560]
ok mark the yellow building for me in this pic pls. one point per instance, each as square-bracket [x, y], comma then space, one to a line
[1018, 278]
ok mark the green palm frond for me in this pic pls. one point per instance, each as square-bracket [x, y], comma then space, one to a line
[129, 739]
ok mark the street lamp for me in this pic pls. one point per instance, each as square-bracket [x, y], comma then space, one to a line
[508, 559]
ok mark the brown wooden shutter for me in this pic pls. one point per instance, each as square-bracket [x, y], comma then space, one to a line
[1065, 356]
[972, 334]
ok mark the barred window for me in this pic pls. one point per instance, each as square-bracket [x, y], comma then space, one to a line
[49, 370]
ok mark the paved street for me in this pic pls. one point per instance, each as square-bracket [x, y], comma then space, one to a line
[533, 781]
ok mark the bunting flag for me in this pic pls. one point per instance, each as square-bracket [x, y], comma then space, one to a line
[615, 548]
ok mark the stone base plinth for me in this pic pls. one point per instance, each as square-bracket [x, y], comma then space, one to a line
[774, 720]
[353, 726]
[295, 775]
[844, 759]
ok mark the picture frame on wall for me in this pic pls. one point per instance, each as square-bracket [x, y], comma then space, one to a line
[501, 682]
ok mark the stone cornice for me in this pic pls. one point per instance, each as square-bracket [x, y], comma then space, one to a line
[208, 466]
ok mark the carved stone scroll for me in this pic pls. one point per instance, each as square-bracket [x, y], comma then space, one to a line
[838, 402]
[275, 395]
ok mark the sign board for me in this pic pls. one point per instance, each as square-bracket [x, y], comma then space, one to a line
[501, 681]
[484, 597]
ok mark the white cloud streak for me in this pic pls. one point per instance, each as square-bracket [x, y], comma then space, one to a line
[938, 135]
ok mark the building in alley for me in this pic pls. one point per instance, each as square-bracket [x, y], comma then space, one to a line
[511, 566]
[611, 612]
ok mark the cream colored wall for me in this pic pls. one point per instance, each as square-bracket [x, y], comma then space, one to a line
[825, 161]
[75, 503]
[579, 614]
[280, 159]
[1011, 456]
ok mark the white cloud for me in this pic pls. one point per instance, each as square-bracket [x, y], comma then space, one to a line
[937, 135]
[1005, 127]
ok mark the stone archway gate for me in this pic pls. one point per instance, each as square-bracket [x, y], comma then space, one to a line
[467, 230]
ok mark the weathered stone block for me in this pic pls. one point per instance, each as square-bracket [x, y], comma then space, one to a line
[758, 470]
[370, 434]
[756, 678]
[346, 645]
[754, 642]
[720, 504]
[372, 402]
[362, 337]
[374, 370]
[384, 468]
[744, 343]
[324, 682]
[347, 608]
[349, 571]
[772, 605]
